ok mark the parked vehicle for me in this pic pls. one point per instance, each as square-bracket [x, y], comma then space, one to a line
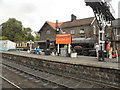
[24, 45]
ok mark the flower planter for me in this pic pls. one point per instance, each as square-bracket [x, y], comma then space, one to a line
[53, 54]
[73, 55]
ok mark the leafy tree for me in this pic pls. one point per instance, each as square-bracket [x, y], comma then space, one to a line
[37, 36]
[3, 38]
[14, 31]
[30, 37]
[18, 38]
[28, 29]
[11, 28]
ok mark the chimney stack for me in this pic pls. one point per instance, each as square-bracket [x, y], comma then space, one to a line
[73, 17]
[56, 24]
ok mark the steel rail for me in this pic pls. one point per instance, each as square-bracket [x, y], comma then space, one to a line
[74, 78]
[81, 80]
[36, 76]
[13, 84]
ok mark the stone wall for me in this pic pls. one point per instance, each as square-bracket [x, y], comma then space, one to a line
[96, 74]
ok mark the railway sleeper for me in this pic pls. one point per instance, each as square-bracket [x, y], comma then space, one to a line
[61, 81]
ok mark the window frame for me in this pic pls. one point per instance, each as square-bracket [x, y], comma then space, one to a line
[94, 29]
[82, 30]
[48, 32]
[72, 32]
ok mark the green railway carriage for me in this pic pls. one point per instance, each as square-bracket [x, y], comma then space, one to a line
[24, 45]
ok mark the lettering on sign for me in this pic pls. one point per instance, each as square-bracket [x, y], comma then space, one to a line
[63, 39]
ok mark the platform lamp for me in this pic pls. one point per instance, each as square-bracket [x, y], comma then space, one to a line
[30, 45]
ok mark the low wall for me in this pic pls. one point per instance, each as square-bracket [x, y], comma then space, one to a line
[99, 74]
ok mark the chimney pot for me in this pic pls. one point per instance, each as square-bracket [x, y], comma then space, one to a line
[73, 17]
[56, 24]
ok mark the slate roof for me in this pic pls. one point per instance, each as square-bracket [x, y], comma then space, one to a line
[80, 22]
[75, 23]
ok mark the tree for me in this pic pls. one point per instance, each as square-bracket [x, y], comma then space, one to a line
[30, 37]
[3, 38]
[37, 36]
[14, 31]
[18, 38]
[11, 28]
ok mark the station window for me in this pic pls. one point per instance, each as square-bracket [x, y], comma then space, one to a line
[72, 31]
[94, 30]
[48, 32]
[117, 32]
[82, 31]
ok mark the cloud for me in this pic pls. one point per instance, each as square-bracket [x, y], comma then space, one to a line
[27, 8]
[1, 1]
[119, 9]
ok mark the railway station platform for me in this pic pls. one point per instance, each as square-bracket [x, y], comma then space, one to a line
[81, 68]
[80, 59]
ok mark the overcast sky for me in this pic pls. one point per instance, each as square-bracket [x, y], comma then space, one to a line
[34, 13]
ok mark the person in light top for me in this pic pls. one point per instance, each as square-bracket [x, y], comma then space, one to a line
[97, 49]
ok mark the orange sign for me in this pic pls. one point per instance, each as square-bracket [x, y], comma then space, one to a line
[63, 39]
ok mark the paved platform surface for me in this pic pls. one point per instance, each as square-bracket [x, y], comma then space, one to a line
[82, 60]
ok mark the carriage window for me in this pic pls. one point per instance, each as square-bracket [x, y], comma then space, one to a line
[27, 44]
[19, 44]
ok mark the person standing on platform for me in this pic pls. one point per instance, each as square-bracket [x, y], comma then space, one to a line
[38, 50]
[110, 53]
[97, 49]
[107, 49]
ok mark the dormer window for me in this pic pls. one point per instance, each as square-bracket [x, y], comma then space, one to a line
[82, 31]
[48, 32]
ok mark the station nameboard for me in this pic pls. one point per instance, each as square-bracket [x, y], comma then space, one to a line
[63, 39]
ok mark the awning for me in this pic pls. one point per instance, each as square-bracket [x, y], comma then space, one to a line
[84, 40]
[40, 41]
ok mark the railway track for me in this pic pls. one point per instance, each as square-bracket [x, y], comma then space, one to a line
[61, 81]
[55, 80]
[41, 82]
[11, 83]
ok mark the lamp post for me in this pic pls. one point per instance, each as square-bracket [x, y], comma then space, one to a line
[30, 45]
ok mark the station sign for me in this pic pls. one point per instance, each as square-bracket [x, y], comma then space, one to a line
[63, 39]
